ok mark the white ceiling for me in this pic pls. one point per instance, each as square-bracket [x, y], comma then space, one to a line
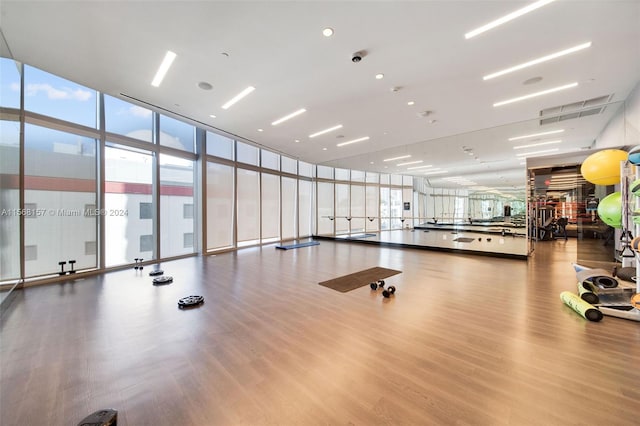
[278, 47]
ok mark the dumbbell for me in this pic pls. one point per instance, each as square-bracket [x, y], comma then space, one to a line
[138, 265]
[389, 291]
[377, 284]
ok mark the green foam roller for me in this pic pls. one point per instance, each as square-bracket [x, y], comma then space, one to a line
[586, 293]
[586, 310]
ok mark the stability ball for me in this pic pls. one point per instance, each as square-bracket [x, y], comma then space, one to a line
[603, 167]
[634, 155]
[610, 209]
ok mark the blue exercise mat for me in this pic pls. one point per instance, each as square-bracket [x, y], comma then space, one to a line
[295, 246]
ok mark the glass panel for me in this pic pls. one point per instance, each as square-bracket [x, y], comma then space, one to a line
[9, 83]
[325, 208]
[396, 179]
[289, 165]
[357, 208]
[384, 179]
[9, 199]
[219, 146]
[373, 177]
[270, 207]
[248, 207]
[247, 153]
[127, 119]
[396, 208]
[305, 169]
[357, 176]
[407, 180]
[220, 203]
[177, 134]
[342, 174]
[325, 172]
[305, 221]
[128, 188]
[385, 208]
[372, 208]
[270, 160]
[56, 97]
[342, 208]
[176, 192]
[60, 180]
[289, 207]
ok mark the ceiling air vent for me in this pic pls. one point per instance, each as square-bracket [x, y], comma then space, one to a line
[573, 110]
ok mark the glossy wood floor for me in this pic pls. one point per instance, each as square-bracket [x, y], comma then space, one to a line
[467, 340]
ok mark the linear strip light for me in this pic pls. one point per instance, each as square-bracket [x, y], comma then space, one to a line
[538, 144]
[552, 132]
[366, 138]
[419, 167]
[287, 117]
[410, 162]
[538, 61]
[525, 154]
[239, 96]
[397, 158]
[164, 67]
[322, 132]
[435, 173]
[533, 95]
[507, 18]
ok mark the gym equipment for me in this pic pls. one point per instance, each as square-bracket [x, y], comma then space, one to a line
[190, 301]
[106, 417]
[376, 285]
[586, 310]
[163, 280]
[156, 272]
[635, 300]
[62, 263]
[138, 265]
[71, 263]
[295, 246]
[634, 155]
[634, 188]
[627, 273]
[489, 239]
[586, 293]
[389, 292]
[598, 278]
[610, 210]
[603, 167]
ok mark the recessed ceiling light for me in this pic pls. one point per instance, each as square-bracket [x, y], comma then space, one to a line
[538, 60]
[439, 172]
[365, 138]
[536, 94]
[239, 96]
[420, 167]
[212, 116]
[410, 103]
[379, 76]
[507, 18]
[164, 67]
[324, 149]
[205, 86]
[371, 162]
[297, 140]
[287, 117]
[260, 130]
[327, 32]
[397, 158]
[322, 132]
[538, 144]
[544, 151]
[551, 132]
[410, 162]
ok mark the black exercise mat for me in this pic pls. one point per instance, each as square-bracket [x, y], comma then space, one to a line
[295, 246]
[464, 239]
[359, 279]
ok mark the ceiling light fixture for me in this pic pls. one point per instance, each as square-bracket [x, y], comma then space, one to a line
[379, 76]
[552, 132]
[164, 67]
[397, 158]
[322, 132]
[327, 32]
[410, 103]
[507, 18]
[420, 167]
[212, 116]
[239, 96]
[260, 130]
[526, 154]
[538, 60]
[538, 144]
[439, 172]
[287, 117]
[536, 94]
[365, 138]
[410, 162]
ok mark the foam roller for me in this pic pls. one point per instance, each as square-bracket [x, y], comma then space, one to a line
[587, 294]
[586, 310]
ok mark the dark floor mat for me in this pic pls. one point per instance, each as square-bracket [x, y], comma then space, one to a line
[464, 239]
[358, 279]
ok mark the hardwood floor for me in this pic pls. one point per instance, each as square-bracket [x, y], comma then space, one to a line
[467, 340]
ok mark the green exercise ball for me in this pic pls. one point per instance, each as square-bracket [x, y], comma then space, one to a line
[610, 210]
[603, 167]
